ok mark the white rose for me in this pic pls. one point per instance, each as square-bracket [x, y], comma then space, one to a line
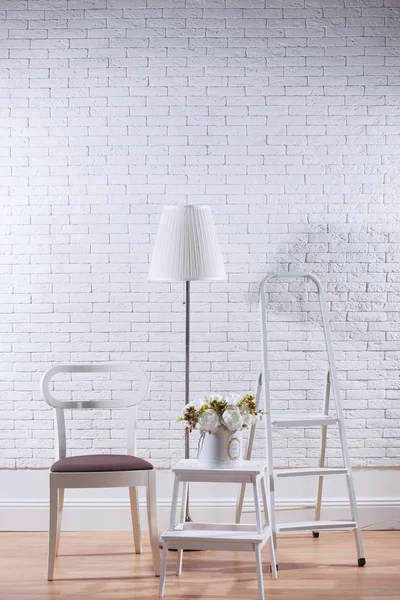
[209, 421]
[197, 404]
[253, 419]
[217, 397]
[234, 399]
[232, 419]
[248, 418]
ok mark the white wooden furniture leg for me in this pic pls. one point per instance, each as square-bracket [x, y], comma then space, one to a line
[161, 586]
[257, 504]
[59, 517]
[175, 492]
[239, 505]
[179, 559]
[256, 482]
[179, 556]
[260, 579]
[133, 497]
[52, 527]
[247, 453]
[264, 501]
[152, 518]
[272, 555]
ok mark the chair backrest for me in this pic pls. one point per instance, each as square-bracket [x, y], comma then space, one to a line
[129, 402]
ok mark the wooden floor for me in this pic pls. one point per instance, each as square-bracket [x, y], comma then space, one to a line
[102, 566]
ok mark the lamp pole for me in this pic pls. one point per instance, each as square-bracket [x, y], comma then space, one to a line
[187, 383]
[186, 249]
[187, 359]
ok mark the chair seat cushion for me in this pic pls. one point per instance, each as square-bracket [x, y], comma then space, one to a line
[100, 462]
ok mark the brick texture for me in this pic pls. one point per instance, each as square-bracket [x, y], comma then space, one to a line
[284, 116]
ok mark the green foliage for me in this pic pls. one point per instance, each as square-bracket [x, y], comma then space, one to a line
[219, 405]
[192, 414]
[248, 402]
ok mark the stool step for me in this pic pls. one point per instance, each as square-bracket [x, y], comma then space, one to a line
[213, 532]
[315, 526]
[309, 471]
[302, 420]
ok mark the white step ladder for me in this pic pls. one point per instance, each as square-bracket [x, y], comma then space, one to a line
[287, 420]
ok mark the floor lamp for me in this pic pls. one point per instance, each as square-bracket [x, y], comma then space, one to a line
[186, 249]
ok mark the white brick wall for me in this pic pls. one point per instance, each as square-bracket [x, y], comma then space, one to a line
[285, 119]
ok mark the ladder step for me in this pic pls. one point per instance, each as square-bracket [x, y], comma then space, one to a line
[302, 420]
[311, 471]
[284, 508]
[315, 526]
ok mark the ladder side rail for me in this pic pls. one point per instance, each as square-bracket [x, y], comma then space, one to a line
[341, 424]
[252, 429]
[327, 395]
[328, 342]
[333, 371]
[258, 389]
[267, 408]
[266, 378]
[325, 324]
[324, 432]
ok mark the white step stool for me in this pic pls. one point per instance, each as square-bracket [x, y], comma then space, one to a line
[216, 536]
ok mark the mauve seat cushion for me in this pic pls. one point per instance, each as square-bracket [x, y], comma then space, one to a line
[100, 462]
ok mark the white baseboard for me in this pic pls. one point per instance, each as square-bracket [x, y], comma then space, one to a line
[103, 515]
[23, 502]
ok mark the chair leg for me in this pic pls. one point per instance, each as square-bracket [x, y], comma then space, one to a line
[59, 519]
[52, 526]
[151, 497]
[133, 496]
[163, 570]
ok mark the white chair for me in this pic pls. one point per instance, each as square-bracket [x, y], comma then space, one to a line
[101, 470]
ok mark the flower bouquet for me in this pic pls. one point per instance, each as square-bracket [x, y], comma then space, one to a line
[223, 418]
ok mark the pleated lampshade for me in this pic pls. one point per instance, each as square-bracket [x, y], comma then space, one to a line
[186, 246]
